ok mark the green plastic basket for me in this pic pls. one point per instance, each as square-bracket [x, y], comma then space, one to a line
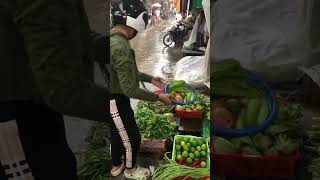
[189, 136]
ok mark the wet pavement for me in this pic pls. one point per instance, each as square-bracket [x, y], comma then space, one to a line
[151, 53]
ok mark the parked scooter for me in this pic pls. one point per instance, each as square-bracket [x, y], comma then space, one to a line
[176, 34]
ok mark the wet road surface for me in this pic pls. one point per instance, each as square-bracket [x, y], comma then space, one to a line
[151, 53]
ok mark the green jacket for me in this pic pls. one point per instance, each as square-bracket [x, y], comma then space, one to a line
[47, 56]
[124, 74]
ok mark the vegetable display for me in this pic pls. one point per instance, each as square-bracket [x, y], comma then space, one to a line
[240, 113]
[156, 107]
[155, 123]
[202, 103]
[191, 151]
[284, 137]
[96, 165]
[229, 80]
[181, 91]
[173, 170]
[95, 162]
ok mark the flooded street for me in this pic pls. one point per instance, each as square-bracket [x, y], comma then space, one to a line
[151, 53]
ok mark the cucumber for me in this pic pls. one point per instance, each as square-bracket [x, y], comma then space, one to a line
[264, 111]
[241, 119]
[252, 112]
[191, 97]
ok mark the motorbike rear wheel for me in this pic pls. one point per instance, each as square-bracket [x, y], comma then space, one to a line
[167, 39]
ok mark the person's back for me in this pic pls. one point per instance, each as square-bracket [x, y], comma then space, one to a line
[15, 74]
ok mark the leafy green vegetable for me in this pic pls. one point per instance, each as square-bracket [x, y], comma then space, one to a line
[285, 146]
[179, 86]
[230, 79]
[262, 142]
[96, 164]
[157, 107]
[153, 125]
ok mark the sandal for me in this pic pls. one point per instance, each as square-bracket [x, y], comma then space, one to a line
[118, 171]
[139, 174]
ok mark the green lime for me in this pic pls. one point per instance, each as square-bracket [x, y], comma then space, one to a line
[186, 148]
[200, 142]
[203, 154]
[189, 144]
[186, 139]
[196, 159]
[204, 147]
[178, 141]
[178, 153]
[178, 147]
[185, 154]
[194, 143]
[199, 148]
[182, 143]
[178, 157]
[197, 154]
[189, 161]
[192, 149]
[203, 164]
[191, 155]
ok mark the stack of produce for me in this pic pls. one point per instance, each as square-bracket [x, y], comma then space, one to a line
[240, 113]
[155, 122]
[202, 103]
[181, 91]
[284, 137]
[189, 160]
[191, 151]
[237, 103]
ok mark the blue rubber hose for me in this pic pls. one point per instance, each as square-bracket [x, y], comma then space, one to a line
[267, 91]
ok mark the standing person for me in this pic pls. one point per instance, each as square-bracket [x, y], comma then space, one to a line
[202, 30]
[158, 15]
[47, 55]
[129, 18]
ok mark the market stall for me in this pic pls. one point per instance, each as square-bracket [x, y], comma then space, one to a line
[257, 135]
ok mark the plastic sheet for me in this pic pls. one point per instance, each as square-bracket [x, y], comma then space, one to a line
[269, 37]
[191, 69]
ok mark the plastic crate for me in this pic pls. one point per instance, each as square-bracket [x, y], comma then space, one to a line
[237, 165]
[174, 145]
[194, 114]
[149, 145]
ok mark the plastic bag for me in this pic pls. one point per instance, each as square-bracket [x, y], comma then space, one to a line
[269, 37]
[191, 69]
[193, 36]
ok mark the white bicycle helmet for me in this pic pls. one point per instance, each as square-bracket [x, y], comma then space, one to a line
[131, 13]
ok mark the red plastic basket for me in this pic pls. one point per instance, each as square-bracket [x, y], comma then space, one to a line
[238, 165]
[194, 114]
[160, 91]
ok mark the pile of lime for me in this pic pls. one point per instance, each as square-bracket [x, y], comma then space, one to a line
[191, 151]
